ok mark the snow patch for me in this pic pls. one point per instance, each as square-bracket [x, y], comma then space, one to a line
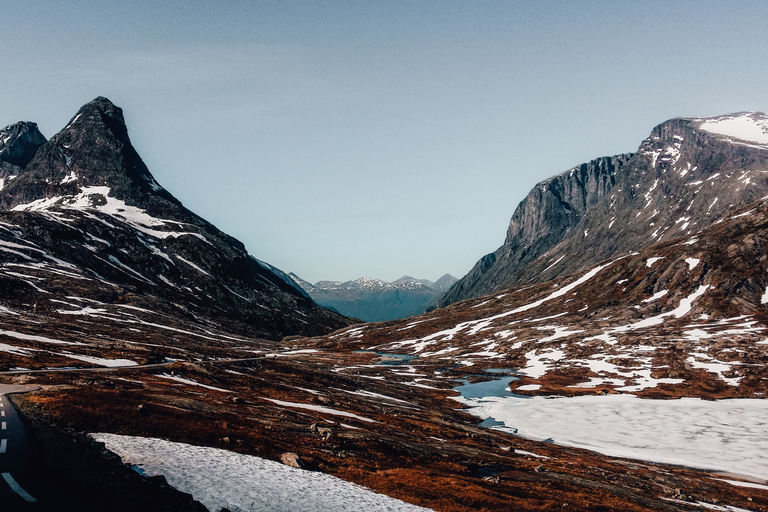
[725, 435]
[220, 478]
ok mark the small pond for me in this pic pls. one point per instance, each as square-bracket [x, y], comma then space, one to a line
[496, 387]
[388, 359]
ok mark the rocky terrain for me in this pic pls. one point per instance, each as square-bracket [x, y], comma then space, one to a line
[83, 220]
[374, 300]
[684, 176]
[135, 317]
[685, 317]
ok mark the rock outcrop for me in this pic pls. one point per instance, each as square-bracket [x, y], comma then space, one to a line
[86, 218]
[682, 179]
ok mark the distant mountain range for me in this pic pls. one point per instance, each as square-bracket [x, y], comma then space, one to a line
[374, 300]
[684, 177]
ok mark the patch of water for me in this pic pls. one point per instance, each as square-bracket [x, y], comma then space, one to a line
[490, 389]
[389, 359]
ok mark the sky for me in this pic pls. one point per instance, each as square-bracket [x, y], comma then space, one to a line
[340, 140]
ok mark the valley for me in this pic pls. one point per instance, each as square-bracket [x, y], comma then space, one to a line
[625, 349]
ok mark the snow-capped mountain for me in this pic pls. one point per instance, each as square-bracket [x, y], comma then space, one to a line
[683, 177]
[85, 218]
[374, 300]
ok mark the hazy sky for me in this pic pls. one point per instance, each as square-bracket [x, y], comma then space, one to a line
[347, 139]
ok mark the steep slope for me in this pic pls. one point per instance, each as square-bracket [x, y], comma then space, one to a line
[684, 317]
[374, 300]
[682, 178]
[18, 144]
[85, 218]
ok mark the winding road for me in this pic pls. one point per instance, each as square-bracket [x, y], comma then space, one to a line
[16, 473]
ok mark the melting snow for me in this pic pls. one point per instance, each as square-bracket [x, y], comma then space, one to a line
[318, 408]
[651, 261]
[656, 296]
[111, 363]
[680, 311]
[191, 382]
[742, 126]
[98, 199]
[30, 337]
[220, 478]
[726, 435]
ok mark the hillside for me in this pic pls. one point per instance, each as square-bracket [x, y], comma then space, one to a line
[684, 176]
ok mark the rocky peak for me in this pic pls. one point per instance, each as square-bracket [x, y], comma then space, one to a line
[683, 177]
[19, 142]
[89, 160]
[445, 282]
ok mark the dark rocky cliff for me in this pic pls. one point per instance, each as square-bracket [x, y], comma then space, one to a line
[681, 179]
[86, 218]
[549, 212]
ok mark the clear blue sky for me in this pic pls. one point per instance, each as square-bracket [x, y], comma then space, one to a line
[347, 139]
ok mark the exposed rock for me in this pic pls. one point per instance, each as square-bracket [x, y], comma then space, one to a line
[87, 205]
[19, 142]
[682, 178]
[291, 459]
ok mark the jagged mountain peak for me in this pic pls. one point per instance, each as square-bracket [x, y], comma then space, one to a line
[88, 204]
[19, 142]
[91, 164]
[102, 114]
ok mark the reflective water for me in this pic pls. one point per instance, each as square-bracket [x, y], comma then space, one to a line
[496, 387]
[389, 359]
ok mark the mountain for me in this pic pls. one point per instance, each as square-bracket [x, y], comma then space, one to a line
[683, 177]
[374, 300]
[82, 216]
[143, 325]
[684, 317]
[18, 143]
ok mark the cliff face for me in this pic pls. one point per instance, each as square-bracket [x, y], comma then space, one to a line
[682, 178]
[86, 218]
[550, 211]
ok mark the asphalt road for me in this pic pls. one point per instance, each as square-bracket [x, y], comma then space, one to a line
[16, 469]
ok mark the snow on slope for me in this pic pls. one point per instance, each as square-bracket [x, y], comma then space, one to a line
[220, 478]
[746, 126]
[727, 435]
[98, 199]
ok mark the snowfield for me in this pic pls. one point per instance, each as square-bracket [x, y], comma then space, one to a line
[747, 126]
[725, 435]
[220, 478]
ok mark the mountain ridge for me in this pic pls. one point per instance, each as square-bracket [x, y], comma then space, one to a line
[682, 178]
[375, 300]
[91, 202]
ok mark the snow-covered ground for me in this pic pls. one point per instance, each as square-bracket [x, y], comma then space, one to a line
[220, 478]
[727, 435]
